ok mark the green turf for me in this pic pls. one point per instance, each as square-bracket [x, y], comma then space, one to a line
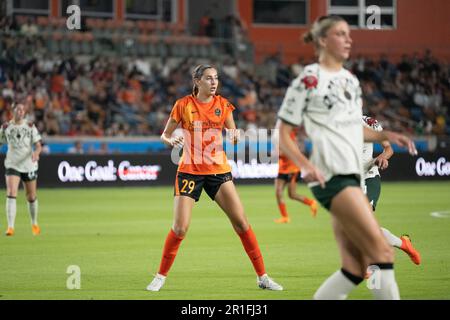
[116, 236]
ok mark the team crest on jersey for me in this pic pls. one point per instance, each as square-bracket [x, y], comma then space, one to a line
[372, 123]
[310, 82]
[217, 112]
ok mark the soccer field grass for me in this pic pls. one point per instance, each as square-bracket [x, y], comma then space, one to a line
[116, 236]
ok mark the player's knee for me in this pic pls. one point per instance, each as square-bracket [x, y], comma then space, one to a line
[291, 194]
[11, 193]
[279, 194]
[241, 226]
[180, 231]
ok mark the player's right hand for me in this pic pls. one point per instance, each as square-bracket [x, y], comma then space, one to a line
[311, 174]
[234, 135]
[35, 157]
[177, 142]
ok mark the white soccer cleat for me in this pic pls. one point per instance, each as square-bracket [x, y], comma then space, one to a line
[157, 283]
[265, 282]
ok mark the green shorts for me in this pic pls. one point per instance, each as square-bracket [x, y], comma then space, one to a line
[372, 189]
[24, 176]
[333, 186]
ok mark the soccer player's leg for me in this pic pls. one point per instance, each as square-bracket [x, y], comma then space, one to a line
[12, 185]
[352, 210]
[30, 186]
[226, 196]
[373, 190]
[292, 192]
[280, 184]
[339, 285]
[407, 247]
[187, 191]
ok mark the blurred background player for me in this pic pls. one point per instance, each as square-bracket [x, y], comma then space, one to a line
[21, 163]
[288, 175]
[326, 99]
[372, 186]
[203, 116]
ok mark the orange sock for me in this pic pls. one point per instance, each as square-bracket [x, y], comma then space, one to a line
[283, 211]
[170, 252]
[251, 246]
[308, 201]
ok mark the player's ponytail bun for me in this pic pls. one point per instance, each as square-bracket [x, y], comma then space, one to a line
[320, 28]
[308, 37]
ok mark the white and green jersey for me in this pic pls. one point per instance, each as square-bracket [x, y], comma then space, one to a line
[370, 168]
[329, 105]
[20, 139]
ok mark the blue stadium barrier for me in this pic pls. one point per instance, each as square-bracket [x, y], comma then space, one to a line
[422, 145]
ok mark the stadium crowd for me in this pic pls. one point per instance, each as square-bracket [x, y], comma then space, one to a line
[123, 96]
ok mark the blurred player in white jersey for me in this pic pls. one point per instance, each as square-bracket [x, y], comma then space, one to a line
[326, 99]
[21, 164]
[372, 186]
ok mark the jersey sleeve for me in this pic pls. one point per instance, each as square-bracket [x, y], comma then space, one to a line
[229, 108]
[294, 102]
[36, 137]
[176, 113]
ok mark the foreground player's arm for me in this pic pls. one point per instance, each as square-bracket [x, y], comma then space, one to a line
[382, 160]
[166, 136]
[37, 151]
[288, 146]
[393, 137]
[232, 133]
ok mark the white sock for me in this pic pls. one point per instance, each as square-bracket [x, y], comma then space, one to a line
[382, 282]
[391, 238]
[337, 286]
[11, 210]
[33, 209]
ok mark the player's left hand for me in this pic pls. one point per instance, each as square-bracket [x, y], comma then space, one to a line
[35, 157]
[381, 162]
[402, 141]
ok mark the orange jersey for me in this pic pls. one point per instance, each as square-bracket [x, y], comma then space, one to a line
[202, 125]
[285, 165]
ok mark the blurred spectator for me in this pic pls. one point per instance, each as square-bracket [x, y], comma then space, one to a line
[104, 149]
[122, 96]
[45, 148]
[77, 148]
[29, 29]
[207, 25]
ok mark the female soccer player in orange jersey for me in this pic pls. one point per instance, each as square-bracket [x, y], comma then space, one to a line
[204, 165]
[288, 175]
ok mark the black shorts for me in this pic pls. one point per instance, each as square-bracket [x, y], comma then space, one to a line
[289, 177]
[24, 176]
[191, 185]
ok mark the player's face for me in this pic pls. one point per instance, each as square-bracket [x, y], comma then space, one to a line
[209, 82]
[338, 42]
[19, 112]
